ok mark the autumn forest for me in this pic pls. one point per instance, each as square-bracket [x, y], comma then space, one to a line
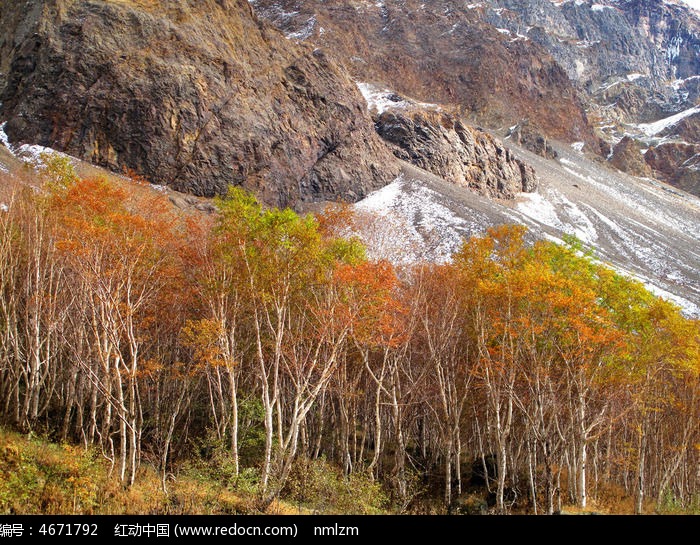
[518, 377]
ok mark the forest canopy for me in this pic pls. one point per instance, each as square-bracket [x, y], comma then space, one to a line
[527, 376]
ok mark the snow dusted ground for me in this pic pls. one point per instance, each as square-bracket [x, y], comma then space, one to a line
[417, 221]
[5, 150]
[28, 153]
[652, 129]
[641, 227]
[379, 99]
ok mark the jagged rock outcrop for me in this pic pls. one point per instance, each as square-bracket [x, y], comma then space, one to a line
[195, 95]
[687, 129]
[677, 163]
[529, 136]
[687, 176]
[440, 143]
[677, 160]
[627, 156]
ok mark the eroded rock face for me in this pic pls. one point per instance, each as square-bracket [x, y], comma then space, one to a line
[686, 130]
[596, 39]
[440, 143]
[635, 58]
[676, 163]
[627, 156]
[444, 52]
[195, 95]
[687, 176]
[530, 136]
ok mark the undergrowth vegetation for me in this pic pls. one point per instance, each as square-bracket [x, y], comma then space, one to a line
[39, 477]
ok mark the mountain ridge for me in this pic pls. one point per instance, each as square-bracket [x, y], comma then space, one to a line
[615, 64]
[442, 54]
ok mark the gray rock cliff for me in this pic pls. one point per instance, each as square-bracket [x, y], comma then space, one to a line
[442, 144]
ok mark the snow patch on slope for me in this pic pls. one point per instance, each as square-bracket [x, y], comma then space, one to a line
[554, 210]
[408, 222]
[31, 154]
[3, 137]
[304, 32]
[652, 129]
[540, 209]
[380, 100]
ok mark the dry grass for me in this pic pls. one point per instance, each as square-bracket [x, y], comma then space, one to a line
[37, 477]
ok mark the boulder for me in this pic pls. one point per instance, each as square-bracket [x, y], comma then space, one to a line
[531, 137]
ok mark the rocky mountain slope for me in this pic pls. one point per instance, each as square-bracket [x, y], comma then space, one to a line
[343, 98]
[571, 68]
[642, 228]
[198, 96]
[442, 52]
[193, 95]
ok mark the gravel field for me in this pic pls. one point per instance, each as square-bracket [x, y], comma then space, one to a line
[640, 227]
